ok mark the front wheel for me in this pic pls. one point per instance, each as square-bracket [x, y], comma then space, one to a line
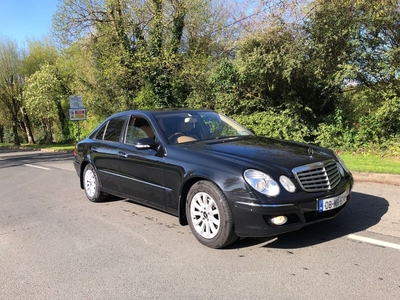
[91, 185]
[209, 215]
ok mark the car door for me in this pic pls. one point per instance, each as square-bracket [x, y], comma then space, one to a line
[104, 152]
[142, 171]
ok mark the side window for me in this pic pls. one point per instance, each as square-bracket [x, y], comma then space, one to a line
[100, 133]
[138, 128]
[114, 129]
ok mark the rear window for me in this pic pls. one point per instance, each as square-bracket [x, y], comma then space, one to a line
[100, 133]
[112, 130]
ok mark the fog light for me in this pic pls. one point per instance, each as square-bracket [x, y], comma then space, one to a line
[280, 220]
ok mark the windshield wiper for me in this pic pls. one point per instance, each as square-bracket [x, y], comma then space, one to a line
[225, 137]
[220, 139]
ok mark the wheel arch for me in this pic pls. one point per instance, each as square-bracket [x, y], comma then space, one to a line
[83, 166]
[183, 197]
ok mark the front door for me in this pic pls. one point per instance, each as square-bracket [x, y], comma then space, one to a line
[142, 171]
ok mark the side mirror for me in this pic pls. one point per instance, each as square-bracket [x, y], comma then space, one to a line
[146, 143]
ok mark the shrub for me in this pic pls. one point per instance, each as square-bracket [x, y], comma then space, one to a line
[285, 124]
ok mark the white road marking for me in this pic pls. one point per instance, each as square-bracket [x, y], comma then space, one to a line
[33, 166]
[373, 241]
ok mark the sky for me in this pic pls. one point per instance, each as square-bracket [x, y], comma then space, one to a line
[22, 19]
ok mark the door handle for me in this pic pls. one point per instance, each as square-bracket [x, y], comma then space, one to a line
[93, 149]
[122, 154]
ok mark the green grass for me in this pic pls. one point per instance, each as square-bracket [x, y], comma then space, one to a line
[55, 147]
[372, 163]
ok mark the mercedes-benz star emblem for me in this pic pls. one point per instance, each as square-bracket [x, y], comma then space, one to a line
[310, 152]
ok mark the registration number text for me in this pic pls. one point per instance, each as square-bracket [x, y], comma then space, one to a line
[332, 203]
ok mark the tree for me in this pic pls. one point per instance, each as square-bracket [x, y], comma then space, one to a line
[3, 121]
[330, 28]
[103, 36]
[37, 54]
[43, 96]
[11, 83]
[377, 63]
[354, 45]
[138, 48]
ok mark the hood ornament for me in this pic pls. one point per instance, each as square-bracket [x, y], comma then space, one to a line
[310, 152]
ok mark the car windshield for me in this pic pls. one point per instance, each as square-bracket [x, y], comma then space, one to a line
[182, 127]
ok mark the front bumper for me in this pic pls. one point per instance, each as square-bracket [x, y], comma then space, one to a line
[251, 219]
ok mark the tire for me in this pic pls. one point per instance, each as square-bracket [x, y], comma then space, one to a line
[91, 185]
[209, 216]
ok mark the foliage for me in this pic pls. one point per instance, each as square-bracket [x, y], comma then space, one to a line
[282, 124]
[38, 53]
[43, 98]
[131, 46]
[367, 103]
[11, 83]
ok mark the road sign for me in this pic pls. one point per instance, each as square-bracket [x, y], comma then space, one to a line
[75, 102]
[77, 114]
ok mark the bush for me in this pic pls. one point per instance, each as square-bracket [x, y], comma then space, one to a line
[368, 132]
[335, 137]
[286, 124]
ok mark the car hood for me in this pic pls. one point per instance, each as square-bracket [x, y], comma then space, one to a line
[264, 153]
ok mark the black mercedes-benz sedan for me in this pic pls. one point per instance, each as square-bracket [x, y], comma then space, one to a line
[212, 173]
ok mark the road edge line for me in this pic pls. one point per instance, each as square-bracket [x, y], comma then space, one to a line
[373, 241]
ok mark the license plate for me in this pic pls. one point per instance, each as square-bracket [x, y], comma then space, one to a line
[332, 203]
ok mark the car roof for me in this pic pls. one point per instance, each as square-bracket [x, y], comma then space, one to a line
[164, 111]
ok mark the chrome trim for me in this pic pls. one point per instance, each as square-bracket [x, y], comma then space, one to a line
[318, 176]
[264, 205]
[138, 180]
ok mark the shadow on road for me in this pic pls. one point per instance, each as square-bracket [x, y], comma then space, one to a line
[362, 212]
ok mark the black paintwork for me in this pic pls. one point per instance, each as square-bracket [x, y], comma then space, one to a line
[160, 173]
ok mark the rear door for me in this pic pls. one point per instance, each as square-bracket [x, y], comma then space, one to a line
[104, 152]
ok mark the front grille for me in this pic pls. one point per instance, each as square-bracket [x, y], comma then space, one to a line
[317, 177]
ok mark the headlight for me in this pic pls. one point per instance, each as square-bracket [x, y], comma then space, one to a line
[287, 184]
[262, 182]
[342, 164]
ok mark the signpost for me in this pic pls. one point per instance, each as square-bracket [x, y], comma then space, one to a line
[77, 114]
[76, 111]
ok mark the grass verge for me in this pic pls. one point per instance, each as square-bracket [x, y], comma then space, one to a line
[55, 147]
[372, 163]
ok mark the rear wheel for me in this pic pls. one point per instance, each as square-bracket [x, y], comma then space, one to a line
[209, 215]
[91, 185]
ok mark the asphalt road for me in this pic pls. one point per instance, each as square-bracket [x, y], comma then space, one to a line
[55, 244]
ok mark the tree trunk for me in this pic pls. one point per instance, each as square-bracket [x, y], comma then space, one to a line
[63, 121]
[48, 132]
[15, 132]
[27, 125]
[1, 134]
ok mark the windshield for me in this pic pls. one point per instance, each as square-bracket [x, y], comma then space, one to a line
[183, 127]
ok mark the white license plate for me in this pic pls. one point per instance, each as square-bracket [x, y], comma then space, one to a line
[332, 203]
